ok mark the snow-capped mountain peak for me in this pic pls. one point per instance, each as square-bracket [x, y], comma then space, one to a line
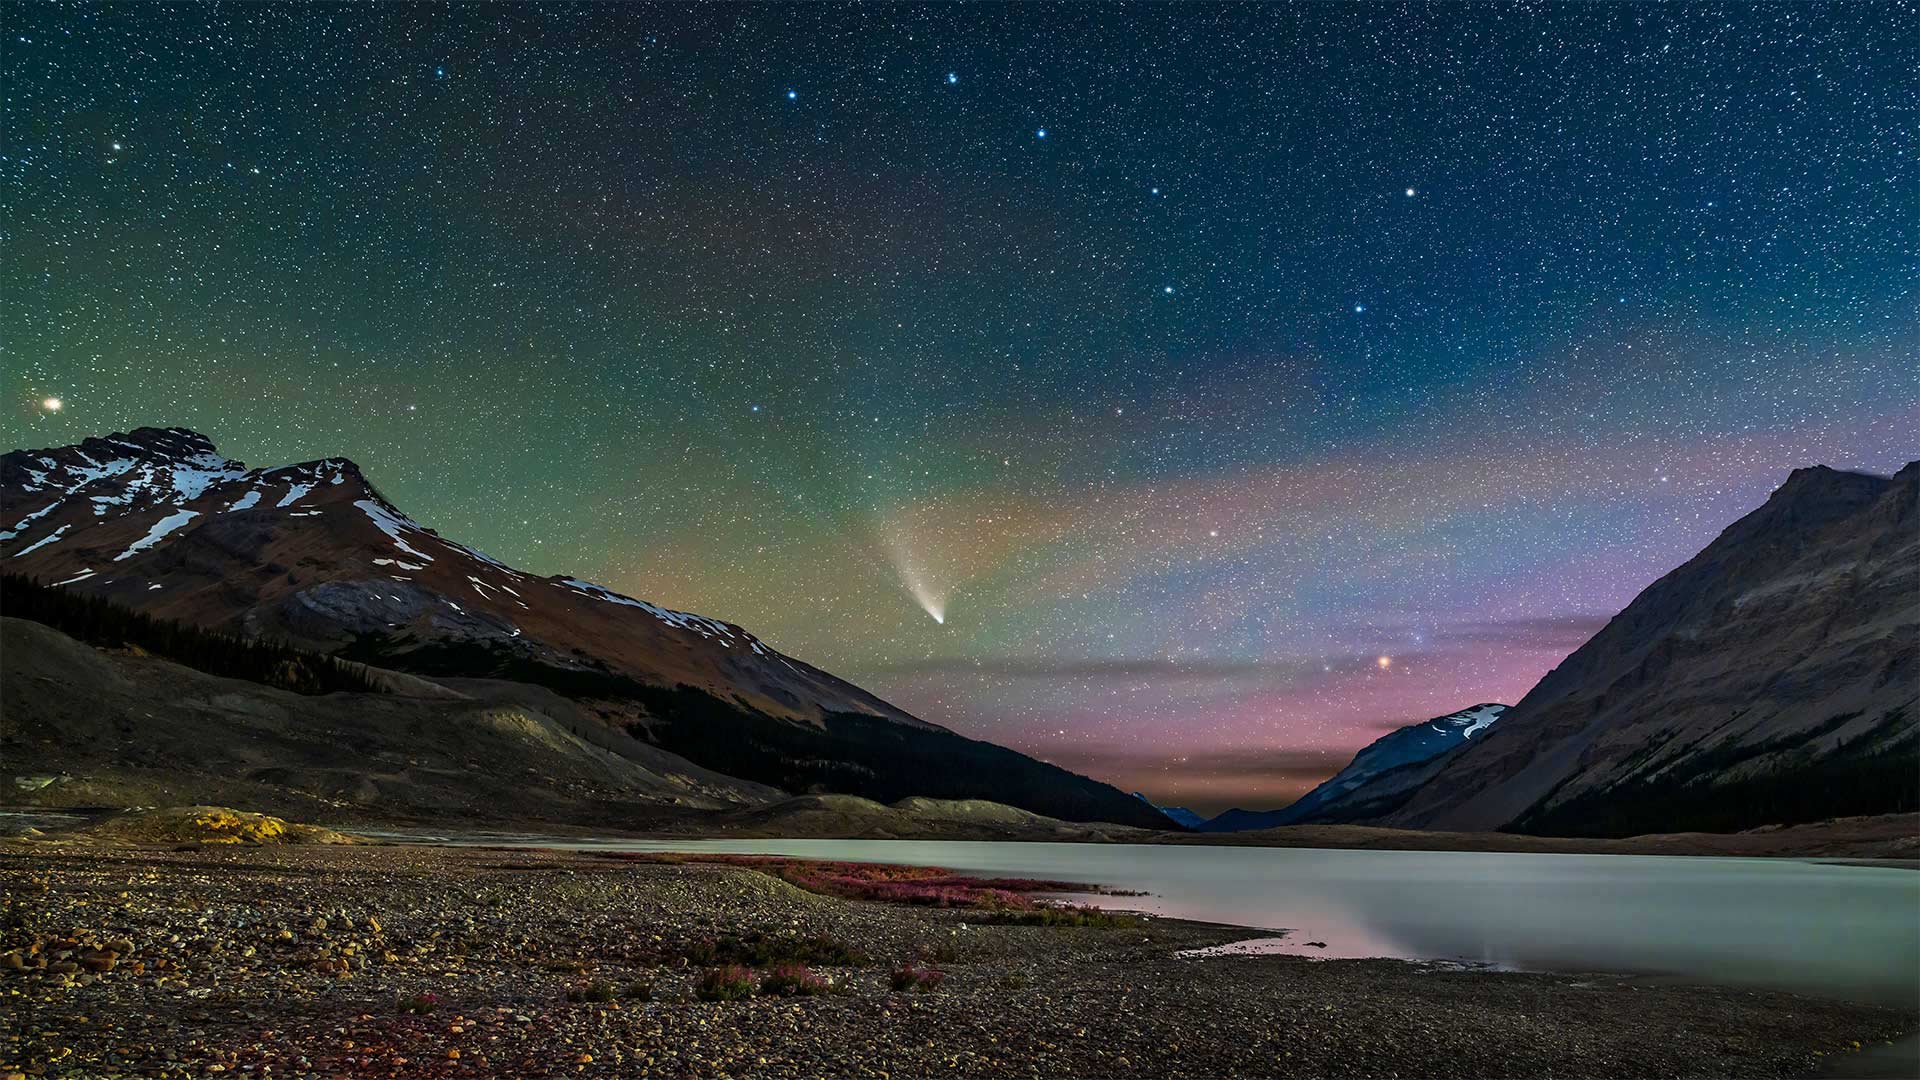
[158, 518]
[1354, 788]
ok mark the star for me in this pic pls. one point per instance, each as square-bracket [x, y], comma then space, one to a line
[1384, 663]
[792, 94]
[1155, 191]
[1040, 134]
[52, 404]
[952, 78]
[1359, 309]
[1411, 193]
[1168, 290]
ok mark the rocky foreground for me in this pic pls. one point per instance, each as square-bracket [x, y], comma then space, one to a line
[444, 962]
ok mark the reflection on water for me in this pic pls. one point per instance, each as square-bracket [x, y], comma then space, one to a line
[14, 822]
[1838, 931]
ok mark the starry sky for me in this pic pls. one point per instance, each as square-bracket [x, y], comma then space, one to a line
[1232, 383]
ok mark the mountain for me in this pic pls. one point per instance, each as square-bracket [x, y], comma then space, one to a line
[312, 554]
[1371, 782]
[1179, 815]
[1774, 678]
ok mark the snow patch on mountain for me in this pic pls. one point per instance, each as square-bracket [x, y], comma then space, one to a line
[42, 542]
[194, 476]
[1469, 722]
[21, 525]
[391, 523]
[158, 533]
[699, 624]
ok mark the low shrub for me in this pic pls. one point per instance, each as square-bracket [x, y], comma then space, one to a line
[1062, 915]
[912, 979]
[730, 983]
[793, 980]
[637, 991]
[418, 1004]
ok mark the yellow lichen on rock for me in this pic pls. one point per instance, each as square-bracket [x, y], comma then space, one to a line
[219, 825]
[208, 825]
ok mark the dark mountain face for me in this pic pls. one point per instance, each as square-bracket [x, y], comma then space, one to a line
[312, 554]
[1773, 678]
[1368, 786]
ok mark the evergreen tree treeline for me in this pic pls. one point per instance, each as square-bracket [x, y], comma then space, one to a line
[105, 624]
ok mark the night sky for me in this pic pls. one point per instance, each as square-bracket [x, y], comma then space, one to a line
[1236, 383]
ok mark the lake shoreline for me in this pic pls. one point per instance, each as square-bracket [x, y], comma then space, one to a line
[1884, 840]
[298, 957]
[1880, 840]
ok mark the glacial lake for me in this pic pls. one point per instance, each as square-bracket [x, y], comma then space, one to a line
[1825, 929]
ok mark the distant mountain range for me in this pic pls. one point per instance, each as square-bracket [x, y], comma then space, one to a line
[1364, 787]
[312, 554]
[1179, 815]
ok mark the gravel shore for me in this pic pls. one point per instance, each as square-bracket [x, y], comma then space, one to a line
[459, 962]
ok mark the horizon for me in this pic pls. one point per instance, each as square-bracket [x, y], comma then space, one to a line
[1137, 445]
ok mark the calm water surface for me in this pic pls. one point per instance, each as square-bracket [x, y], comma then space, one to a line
[1809, 927]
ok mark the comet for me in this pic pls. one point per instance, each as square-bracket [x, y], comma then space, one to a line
[929, 604]
[915, 575]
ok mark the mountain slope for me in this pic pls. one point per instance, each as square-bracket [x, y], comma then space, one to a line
[158, 520]
[1376, 775]
[1773, 678]
[103, 727]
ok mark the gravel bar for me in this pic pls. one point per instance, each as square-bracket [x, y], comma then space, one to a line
[406, 961]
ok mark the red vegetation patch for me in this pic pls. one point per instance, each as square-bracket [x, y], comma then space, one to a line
[910, 979]
[927, 886]
[731, 983]
[793, 980]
